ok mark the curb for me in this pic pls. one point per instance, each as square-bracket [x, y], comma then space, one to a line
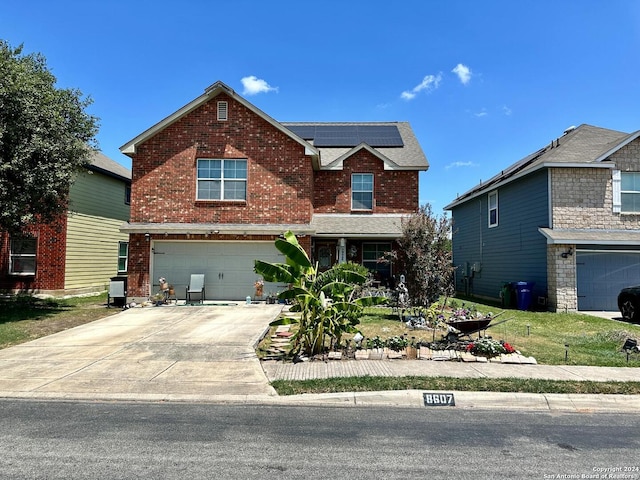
[529, 402]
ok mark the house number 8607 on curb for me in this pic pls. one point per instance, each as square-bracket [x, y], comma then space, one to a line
[439, 399]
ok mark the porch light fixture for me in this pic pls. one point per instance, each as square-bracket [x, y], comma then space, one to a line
[147, 237]
[567, 254]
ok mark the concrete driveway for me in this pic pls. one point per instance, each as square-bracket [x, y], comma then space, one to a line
[155, 353]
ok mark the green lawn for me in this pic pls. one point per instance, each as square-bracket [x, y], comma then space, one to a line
[542, 335]
[24, 318]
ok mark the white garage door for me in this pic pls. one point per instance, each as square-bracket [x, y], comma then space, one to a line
[601, 276]
[228, 266]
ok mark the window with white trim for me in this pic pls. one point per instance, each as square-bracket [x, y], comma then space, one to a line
[492, 200]
[22, 255]
[362, 191]
[123, 256]
[630, 192]
[221, 179]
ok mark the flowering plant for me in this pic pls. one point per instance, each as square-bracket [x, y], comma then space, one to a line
[487, 347]
[259, 283]
[397, 343]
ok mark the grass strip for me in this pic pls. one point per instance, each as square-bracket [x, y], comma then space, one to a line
[519, 385]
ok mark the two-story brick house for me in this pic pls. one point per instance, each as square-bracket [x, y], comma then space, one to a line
[566, 217]
[217, 181]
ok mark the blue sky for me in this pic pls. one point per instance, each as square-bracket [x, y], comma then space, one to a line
[483, 83]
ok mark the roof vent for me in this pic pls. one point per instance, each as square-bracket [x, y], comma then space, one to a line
[570, 129]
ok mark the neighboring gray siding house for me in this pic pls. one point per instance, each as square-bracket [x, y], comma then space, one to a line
[566, 217]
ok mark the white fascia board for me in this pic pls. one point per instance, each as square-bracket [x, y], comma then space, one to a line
[214, 228]
[337, 164]
[610, 152]
[130, 147]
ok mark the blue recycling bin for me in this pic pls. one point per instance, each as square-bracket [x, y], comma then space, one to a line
[523, 294]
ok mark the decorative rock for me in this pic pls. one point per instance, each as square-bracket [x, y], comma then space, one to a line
[335, 356]
[362, 355]
[376, 354]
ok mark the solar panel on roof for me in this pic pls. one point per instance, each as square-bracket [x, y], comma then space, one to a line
[308, 132]
[350, 135]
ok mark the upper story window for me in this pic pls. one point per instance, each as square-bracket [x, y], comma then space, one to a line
[127, 194]
[492, 200]
[123, 255]
[222, 179]
[22, 255]
[362, 191]
[630, 192]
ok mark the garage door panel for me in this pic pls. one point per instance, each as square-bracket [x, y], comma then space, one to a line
[228, 266]
[601, 276]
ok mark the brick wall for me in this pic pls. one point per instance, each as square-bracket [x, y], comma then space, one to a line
[394, 191]
[561, 279]
[583, 197]
[50, 261]
[279, 184]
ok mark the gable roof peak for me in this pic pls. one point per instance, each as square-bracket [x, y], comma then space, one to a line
[218, 85]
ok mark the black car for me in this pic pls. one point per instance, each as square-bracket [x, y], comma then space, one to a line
[629, 303]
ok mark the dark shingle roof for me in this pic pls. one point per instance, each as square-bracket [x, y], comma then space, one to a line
[581, 146]
[409, 156]
[103, 164]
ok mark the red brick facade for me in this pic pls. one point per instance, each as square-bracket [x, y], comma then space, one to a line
[395, 191]
[280, 176]
[283, 187]
[50, 263]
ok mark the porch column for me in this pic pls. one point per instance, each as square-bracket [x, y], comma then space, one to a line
[342, 250]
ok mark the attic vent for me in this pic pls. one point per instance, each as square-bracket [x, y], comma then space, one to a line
[223, 109]
[569, 129]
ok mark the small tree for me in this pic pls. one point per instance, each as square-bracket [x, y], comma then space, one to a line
[425, 249]
[45, 137]
[325, 300]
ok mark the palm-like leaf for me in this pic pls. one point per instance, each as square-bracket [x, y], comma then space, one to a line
[274, 272]
[295, 254]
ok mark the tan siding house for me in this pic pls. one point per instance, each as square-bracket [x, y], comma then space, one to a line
[98, 205]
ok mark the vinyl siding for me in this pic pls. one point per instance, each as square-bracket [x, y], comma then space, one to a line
[92, 250]
[512, 251]
[99, 195]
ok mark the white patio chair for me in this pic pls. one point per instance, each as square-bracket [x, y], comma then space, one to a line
[116, 290]
[196, 285]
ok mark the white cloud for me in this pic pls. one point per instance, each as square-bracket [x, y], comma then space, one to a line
[506, 110]
[460, 165]
[482, 113]
[429, 83]
[254, 85]
[463, 72]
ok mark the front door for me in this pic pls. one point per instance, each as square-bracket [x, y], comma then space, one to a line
[325, 255]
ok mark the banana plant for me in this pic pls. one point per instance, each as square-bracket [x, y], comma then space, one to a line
[325, 301]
